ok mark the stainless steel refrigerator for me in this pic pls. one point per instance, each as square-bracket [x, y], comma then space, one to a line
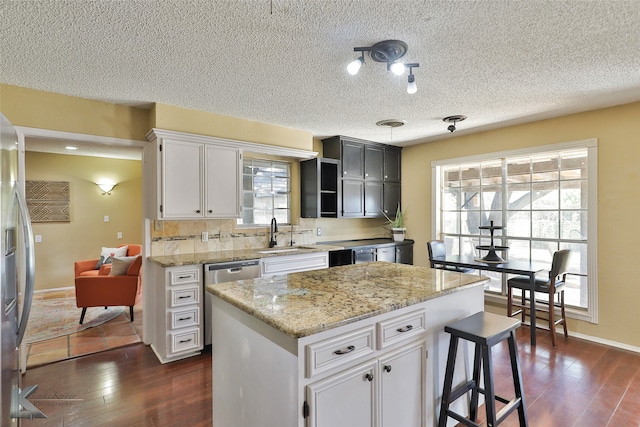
[17, 269]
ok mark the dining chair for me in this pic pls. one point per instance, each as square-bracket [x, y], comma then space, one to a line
[552, 286]
[437, 248]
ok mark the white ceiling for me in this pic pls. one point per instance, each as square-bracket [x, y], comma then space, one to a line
[284, 61]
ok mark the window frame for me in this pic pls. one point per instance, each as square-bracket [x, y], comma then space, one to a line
[589, 314]
[289, 166]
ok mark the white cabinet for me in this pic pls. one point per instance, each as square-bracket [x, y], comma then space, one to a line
[293, 263]
[178, 312]
[198, 180]
[182, 182]
[402, 381]
[344, 400]
[223, 169]
[385, 392]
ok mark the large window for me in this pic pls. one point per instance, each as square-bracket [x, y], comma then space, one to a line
[544, 197]
[266, 192]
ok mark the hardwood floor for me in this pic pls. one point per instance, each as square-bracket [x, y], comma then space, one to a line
[579, 384]
[122, 387]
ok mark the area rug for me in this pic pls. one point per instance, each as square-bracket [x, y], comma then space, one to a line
[52, 318]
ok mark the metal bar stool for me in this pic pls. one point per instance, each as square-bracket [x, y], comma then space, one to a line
[485, 330]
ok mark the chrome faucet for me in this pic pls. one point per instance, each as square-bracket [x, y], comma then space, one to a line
[274, 229]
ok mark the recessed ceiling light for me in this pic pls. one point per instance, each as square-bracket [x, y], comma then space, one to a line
[71, 147]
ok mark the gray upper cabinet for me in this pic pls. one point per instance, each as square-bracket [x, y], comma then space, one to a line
[352, 160]
[373, 162]
[320, 188]
[370, 176]
[392, 156]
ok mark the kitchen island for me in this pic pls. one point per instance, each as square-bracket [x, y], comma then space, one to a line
[358, 345]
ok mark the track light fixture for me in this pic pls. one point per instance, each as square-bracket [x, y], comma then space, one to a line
[454, 120]
[389, 52]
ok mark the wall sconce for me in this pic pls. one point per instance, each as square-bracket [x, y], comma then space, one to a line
[106, 187]
[389, 52]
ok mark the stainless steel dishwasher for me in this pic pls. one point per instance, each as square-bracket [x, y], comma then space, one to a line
[225, 272]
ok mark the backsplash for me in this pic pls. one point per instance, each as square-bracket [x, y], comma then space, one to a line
[185, 237]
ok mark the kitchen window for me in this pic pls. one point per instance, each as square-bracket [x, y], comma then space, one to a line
[545, 196]
[266, 192]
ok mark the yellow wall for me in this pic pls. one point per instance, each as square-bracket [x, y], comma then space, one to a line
[179, 119]
[83, 237]
[618, 132]
[45, 110]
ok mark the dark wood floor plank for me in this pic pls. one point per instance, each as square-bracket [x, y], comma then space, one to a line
[577, 384]
[124, 387]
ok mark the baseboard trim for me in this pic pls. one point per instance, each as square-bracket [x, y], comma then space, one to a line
[609, 343]
[41, 291]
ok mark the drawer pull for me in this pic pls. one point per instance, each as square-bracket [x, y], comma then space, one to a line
[184, 318]
[184, 277]
[184, 296]
[346, 350]
[405, 329]
[369, 377]
[387, 368]
[184, 341]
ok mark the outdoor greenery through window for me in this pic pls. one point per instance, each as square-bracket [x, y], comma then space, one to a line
[541, 198]
[266, 192]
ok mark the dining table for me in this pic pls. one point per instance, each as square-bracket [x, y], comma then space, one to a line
[524, 268]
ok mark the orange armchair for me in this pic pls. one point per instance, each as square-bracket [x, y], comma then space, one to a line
[96, 288]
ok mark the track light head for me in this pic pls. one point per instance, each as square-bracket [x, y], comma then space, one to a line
[388, 52]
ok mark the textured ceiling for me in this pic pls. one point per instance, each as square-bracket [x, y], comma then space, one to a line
[284, 62]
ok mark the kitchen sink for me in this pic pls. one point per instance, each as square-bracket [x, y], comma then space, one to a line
[278, 251]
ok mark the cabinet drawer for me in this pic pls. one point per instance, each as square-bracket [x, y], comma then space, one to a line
[183, 318]
[336, 351]
[184, 341]
[185, 276]
[294, 263]
[184, 295]
[400, 328]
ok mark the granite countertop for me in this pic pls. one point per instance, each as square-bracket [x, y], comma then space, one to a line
[237, 255]
[302, 304]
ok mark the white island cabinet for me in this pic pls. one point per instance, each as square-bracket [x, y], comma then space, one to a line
[359, 345]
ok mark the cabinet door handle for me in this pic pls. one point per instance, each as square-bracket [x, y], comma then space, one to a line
[369, 377]
[210, 211]
[405, 329]
[387, 368]
[198, 211]
[345, 351]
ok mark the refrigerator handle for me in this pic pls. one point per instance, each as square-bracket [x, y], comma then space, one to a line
[29, 259]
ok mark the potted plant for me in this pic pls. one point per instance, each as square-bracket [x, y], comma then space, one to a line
[397, 225]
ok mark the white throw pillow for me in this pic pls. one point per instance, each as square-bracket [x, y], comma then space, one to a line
[107, 254]
[120, 265]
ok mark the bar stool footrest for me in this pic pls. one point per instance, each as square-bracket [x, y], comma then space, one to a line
[507, 410]
[462, 419]
[462, 389]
